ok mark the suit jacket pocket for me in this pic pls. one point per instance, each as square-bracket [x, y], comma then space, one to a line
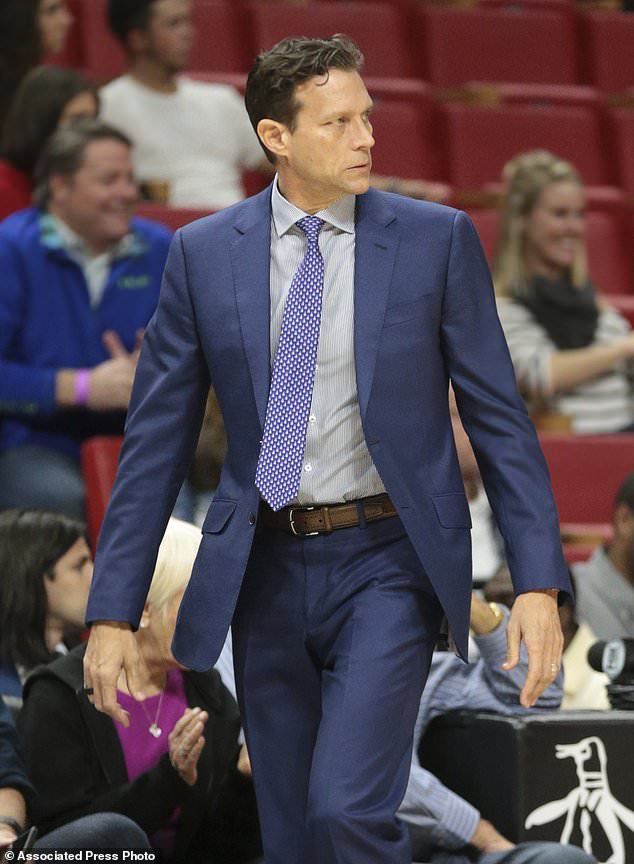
[219, 513]
[399, 313]
[452, 510]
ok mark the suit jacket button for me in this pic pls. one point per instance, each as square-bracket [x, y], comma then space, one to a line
[251, 518]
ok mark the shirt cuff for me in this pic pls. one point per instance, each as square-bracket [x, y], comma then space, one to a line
[492, 645]
[458, 823]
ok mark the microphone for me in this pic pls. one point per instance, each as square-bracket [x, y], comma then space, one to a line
[615, 658]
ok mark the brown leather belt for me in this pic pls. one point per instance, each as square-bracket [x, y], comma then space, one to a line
[310, 521]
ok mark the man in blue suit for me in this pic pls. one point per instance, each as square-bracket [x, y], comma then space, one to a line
[329, 319]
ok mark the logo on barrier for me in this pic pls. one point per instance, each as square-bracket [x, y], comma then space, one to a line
[590, 808]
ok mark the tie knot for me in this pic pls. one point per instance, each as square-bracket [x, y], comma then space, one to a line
[311, 226]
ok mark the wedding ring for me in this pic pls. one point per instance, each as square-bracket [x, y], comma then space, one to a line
[88, 691]
[554, 667]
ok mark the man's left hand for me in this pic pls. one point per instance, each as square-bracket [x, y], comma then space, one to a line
[535, 621]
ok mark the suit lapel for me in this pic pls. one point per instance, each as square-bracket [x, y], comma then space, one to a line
[376, 243]
[251, 257]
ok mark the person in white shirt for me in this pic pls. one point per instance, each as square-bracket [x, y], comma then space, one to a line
[192, 139]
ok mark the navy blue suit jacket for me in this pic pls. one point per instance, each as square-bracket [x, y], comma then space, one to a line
[424, 313]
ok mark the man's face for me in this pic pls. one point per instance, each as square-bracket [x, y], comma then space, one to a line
[67, 587]
[327, 155]
[170, 34]
[623, 542]
[99, 200]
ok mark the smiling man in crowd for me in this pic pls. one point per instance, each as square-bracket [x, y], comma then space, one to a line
[80, 280]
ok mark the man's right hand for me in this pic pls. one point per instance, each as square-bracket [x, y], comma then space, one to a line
[112, 649]
[487, 839]
[111, 381]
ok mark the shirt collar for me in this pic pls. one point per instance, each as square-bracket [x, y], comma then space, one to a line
[56, 234]
[285, 215]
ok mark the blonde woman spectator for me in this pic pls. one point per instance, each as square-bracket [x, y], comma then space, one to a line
[173, 767]
[572, 352]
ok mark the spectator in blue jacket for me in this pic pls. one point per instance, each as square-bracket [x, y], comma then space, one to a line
[17, 800]
[80, 280]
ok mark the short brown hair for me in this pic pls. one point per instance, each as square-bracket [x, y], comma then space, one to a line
[625, 495]
[270, 90]
[65, 151]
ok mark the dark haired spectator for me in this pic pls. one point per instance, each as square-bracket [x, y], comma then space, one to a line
[47, 98]
[80, 280]
[17, 800]
[46, 569]
[192, 139]
[171, 767]
[605, 583]
[29, 30]
[572, 352]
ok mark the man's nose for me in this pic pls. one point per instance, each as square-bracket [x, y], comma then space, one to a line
[364, 139]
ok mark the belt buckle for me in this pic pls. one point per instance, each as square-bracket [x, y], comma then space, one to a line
[292, 523]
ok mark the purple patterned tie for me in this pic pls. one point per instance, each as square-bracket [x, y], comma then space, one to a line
[280, 463]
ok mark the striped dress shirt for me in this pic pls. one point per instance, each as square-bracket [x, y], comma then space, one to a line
[337, 465]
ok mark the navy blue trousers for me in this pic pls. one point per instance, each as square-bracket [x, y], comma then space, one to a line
[333, 638]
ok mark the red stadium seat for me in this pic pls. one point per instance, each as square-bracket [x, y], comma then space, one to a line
[608, 50]
[378, 28]
[623, 303]
[541, 96]
[103, 56]
[481, 140]
[586, 472]
[223, 40]
[576, 552]
[486, 223]
[220, 43]
[173, 217]
[99, 460]
[609, 261]
[459, 45]
[623, 123]
[567, 6]
[405, 130]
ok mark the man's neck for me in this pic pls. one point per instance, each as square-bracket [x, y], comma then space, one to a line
[70, 232]
[309, 200]
[153, 75]
[620, 562]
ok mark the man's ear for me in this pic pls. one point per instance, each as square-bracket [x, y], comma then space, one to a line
[58, 187]
[274, 136]
[623, 521]
[136, 41]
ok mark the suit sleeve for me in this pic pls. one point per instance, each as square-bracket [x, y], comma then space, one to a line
[164, 420]
[502, 435]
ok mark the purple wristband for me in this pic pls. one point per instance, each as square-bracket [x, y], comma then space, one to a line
[82, 386]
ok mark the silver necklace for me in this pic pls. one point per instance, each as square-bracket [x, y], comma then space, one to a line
[154, 729]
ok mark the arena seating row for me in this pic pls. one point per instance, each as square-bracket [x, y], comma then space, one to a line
[544, 42]
[609, 226]
[585, 499]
